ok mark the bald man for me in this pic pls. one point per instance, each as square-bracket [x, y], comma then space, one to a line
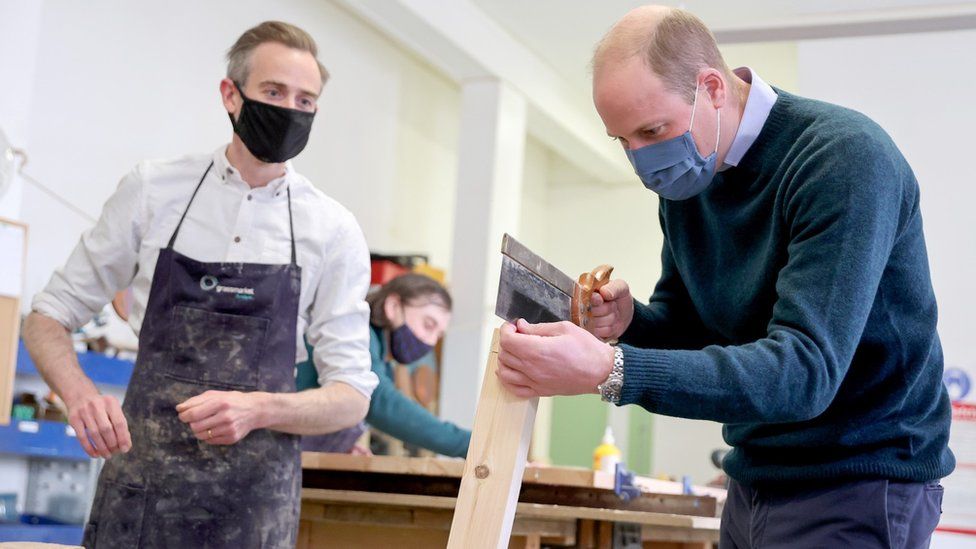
[794, 305]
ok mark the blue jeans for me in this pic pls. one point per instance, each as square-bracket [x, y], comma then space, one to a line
[861, 514]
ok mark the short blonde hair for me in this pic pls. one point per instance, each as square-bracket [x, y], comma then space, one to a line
[676, 48]
[239, 55]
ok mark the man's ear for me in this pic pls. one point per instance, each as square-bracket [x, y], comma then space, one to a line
[230, 96]
[715, 86]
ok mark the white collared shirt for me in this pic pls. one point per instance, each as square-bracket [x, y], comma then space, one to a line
[758, 104]
[228, 222]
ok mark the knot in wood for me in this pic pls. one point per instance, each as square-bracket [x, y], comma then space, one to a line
[481, 471]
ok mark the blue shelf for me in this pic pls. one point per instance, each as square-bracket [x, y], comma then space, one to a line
[40, 438]
[62, 534]
[100, 368]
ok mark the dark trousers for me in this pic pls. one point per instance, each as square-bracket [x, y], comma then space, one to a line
[861, 514]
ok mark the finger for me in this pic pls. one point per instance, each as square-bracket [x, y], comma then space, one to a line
[195, 401]
[200, 411]
[614, 289]
[521, 391]
[596, 300]
[509, 361]
[545, 329]
[509, 376]
[206, 435]
[604, 332]
[79, 426]
[521, 350]
[223, 437]
[211, 422]
[105, 429]
[602, 321]
[121, 426]
[91, 431]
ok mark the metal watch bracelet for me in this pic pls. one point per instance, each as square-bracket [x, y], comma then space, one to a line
[610, 388]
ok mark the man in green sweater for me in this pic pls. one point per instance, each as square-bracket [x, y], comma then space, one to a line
[794, 306]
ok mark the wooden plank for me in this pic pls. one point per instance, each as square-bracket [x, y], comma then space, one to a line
[586, 534]
[344, 535]
[617, 515]
[13, 257]
[524, 510]
[9, 334]
[675, 534]
[448, 467]
[532, 541]
[532, 493]
[384, 464]
[494, 466]
[312, 495]
[604, 537]
[429, 466]
[384, 514]
[677, 545]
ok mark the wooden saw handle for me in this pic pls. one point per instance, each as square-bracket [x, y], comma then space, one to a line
[583, 292]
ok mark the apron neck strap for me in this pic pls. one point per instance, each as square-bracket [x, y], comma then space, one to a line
[291, 224]
[291, 227]
[172, 239]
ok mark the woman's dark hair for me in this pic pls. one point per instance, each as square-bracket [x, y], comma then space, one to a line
[411, 288]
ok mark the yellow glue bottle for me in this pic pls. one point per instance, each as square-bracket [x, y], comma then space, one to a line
[607, 455]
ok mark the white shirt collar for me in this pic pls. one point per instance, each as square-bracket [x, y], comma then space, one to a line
[229, 174]
[758, 104]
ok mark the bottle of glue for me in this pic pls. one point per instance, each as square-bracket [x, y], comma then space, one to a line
[607, 455]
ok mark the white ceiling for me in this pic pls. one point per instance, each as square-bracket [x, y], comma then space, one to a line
[563, 32]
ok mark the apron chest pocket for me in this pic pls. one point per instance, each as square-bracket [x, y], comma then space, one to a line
[216, 349]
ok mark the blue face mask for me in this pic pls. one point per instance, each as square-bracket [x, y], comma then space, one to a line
[405, 346]
[674, 169]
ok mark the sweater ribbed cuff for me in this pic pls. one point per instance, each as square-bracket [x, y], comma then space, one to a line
[637, 331]
[647, 377]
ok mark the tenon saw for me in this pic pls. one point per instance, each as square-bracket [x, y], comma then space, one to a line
[529, 287]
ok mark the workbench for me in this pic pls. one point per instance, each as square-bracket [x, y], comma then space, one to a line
[407, 503]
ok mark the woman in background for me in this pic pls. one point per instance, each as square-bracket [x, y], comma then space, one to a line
[408, 316]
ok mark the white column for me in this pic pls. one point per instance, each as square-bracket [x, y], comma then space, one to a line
[489, 192]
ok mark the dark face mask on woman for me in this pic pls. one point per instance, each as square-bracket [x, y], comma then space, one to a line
[405, 346]
[273, 134]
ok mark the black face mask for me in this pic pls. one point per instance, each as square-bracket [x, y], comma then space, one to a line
[273, 134]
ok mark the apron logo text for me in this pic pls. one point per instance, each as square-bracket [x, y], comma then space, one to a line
[210, 282]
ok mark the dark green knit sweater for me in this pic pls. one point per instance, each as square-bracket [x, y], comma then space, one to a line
[795, 306]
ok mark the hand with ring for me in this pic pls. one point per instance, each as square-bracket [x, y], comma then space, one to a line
[222, 417]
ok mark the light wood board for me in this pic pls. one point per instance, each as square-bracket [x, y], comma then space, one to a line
[494, 466]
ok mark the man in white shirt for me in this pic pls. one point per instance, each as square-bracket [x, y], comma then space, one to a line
[232, 258]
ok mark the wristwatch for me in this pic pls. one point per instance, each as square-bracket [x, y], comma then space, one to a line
[610, 388]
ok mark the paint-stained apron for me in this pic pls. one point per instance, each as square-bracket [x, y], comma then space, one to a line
[208, 326]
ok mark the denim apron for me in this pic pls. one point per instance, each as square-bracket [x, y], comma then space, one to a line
[208, 326]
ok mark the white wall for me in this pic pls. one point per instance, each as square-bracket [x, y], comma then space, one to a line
[918, 87]
[19, 29]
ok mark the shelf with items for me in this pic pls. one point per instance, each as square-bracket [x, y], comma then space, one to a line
[65, 534]
[100, 368]
[41, 438]
[52, 463]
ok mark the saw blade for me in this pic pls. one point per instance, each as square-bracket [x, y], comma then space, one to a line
[531, 288]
